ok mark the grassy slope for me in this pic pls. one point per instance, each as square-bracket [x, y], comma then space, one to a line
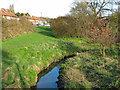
[26, 55]
[23, 57]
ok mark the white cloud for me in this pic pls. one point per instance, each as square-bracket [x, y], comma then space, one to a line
[49, 8]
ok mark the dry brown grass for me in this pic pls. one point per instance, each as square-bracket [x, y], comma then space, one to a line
[36, 68]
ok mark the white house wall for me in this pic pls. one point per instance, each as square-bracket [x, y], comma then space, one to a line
[8, 17]
[45, 21]
[18, 19]
[31, 20]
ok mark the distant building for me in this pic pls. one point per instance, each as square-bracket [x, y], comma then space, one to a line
[36, 20]
[12, 15]
[5, 15]
[8, 15]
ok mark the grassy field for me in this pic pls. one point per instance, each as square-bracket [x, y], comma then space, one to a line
[23, 57]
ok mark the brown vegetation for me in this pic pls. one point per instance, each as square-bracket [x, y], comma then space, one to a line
[71, 26]
[11, 28]
[103, 34]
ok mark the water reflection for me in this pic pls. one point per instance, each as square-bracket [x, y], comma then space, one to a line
[49, 79]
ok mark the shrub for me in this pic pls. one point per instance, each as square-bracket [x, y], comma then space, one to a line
[11, 28]
[113, 18]
[61, 27]
[71, 26]
[103, 34]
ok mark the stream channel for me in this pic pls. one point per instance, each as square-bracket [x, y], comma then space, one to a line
[49, 76]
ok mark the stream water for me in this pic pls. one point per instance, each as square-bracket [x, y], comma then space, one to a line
[49, 79]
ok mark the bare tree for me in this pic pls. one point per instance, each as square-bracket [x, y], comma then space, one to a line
[79, 7]
[95, 7]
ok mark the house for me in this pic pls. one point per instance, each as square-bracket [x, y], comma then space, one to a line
[8, 15]
[5, 15]
[12, 15]
[36, 20]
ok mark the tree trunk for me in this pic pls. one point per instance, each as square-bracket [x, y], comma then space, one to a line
[100, 49]
[103, 51]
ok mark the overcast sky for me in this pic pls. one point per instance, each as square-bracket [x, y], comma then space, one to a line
[48, 8]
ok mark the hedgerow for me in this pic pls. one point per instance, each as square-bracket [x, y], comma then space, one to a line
[12, 28]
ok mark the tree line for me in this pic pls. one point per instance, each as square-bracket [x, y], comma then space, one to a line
[21, 14]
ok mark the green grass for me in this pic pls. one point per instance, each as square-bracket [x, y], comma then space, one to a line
[23, 57]
[88, 71]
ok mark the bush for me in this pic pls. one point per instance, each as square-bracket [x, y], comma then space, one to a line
[103, 34]
[113, 18]
[71, 26]
[11, 28]
[61, 27]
